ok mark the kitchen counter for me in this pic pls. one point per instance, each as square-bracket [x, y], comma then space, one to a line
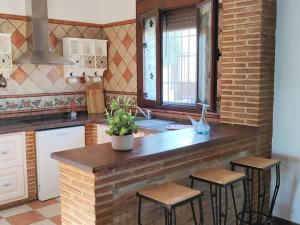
[43, 122]
[94, 158]
[99, 185]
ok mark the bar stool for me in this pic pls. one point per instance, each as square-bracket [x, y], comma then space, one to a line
[218, 179]
[261, 166]
[170, 196]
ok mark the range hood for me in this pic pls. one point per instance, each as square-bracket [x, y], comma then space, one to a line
[39, 51]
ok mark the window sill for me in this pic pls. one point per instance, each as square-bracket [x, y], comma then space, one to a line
[182, 115]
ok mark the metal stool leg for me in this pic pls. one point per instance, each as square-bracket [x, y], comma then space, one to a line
[174, 212]
[193, 211]
[213, 204]
[220, 205]
[139, 212]
[170, 217]
[234, 204]
[226, 205]
[277, 185]
[201, 220]
[166, 217]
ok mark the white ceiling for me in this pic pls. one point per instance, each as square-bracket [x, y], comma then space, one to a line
[92, 11]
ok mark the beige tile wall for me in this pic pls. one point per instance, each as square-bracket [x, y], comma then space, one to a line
[121, 75]
[31, 79]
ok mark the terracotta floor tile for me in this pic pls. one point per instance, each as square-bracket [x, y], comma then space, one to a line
[56, 220]
[25, 218]
[39, 204]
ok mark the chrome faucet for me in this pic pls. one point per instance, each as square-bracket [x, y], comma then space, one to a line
[146, 113]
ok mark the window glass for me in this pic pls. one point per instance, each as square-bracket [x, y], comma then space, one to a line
[180, 56]
[205, 52]
[149, 45]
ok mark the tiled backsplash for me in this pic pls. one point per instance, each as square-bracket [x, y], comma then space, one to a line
[121, 75]
[32, 87]
[32, 103]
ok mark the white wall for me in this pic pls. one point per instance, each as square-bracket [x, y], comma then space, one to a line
[286, 140]
[76, 10]
[117, 10]
[92, 11]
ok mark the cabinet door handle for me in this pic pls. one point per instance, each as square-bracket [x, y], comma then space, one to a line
[4, 153]
[6, 185]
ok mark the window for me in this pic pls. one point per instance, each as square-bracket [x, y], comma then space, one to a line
[179, 68]
[177, 56]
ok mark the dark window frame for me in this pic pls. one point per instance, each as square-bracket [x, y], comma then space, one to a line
[162, 6]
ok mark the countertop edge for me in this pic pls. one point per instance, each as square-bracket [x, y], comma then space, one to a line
[251, 131]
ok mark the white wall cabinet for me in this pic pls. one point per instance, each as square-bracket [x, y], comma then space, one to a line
[103, 138]
[13, 168]
[88, 58]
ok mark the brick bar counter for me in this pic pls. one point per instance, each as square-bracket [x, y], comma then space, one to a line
[98, 184]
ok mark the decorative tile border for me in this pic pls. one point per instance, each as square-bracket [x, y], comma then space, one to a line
[110, 95]
[28, 103]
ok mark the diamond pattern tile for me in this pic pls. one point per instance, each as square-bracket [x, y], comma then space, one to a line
[122, 48]
[35, 213]
[127, 41]
[53, 41]
[53, 75]
[19, 76]
[127, 75]
[17, 39]
[29, 79]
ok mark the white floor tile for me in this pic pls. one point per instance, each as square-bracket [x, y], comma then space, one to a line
[50, 211]
[3, 222]
[43, 222]
[15, 211]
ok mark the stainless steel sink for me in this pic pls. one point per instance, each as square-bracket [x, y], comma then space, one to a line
[153, 123]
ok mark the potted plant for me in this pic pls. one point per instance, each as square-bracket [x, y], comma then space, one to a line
[121, 124]
[73, 113]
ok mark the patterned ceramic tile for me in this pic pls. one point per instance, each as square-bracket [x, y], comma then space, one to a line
[36, 213]
[122, 50]
[19, 76]
[42, 102]
[31, 79]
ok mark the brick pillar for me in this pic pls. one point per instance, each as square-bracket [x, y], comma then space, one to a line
[248, 61]
[31, 165]
[90, 134]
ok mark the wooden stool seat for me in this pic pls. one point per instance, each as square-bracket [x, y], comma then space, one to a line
[218, 176]
[256, 163]
[169, 194]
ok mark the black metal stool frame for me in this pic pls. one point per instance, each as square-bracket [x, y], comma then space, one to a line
[216, 198]
[170, 213]
[262, 217]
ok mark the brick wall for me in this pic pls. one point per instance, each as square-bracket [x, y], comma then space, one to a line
[90, 134]
[248, 61]
[108, 197]
[31, 165]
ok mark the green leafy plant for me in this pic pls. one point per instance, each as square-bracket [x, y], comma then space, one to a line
[120, 119]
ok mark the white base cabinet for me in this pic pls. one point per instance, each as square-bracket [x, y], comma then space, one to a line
[13, 168]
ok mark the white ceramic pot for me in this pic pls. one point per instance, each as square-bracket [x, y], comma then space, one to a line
[122, 143]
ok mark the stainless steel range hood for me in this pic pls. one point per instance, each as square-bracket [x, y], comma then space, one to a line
[39, 51]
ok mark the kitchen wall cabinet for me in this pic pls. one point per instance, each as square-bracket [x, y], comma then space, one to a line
[103, 138]
[13, 168]
[88, 58]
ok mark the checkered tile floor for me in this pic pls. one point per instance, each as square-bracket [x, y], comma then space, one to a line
[35, 213]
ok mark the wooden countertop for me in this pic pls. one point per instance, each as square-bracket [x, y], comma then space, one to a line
[97, 157]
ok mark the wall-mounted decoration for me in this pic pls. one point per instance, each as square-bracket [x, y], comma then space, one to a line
[5, 58]
[88, 59]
